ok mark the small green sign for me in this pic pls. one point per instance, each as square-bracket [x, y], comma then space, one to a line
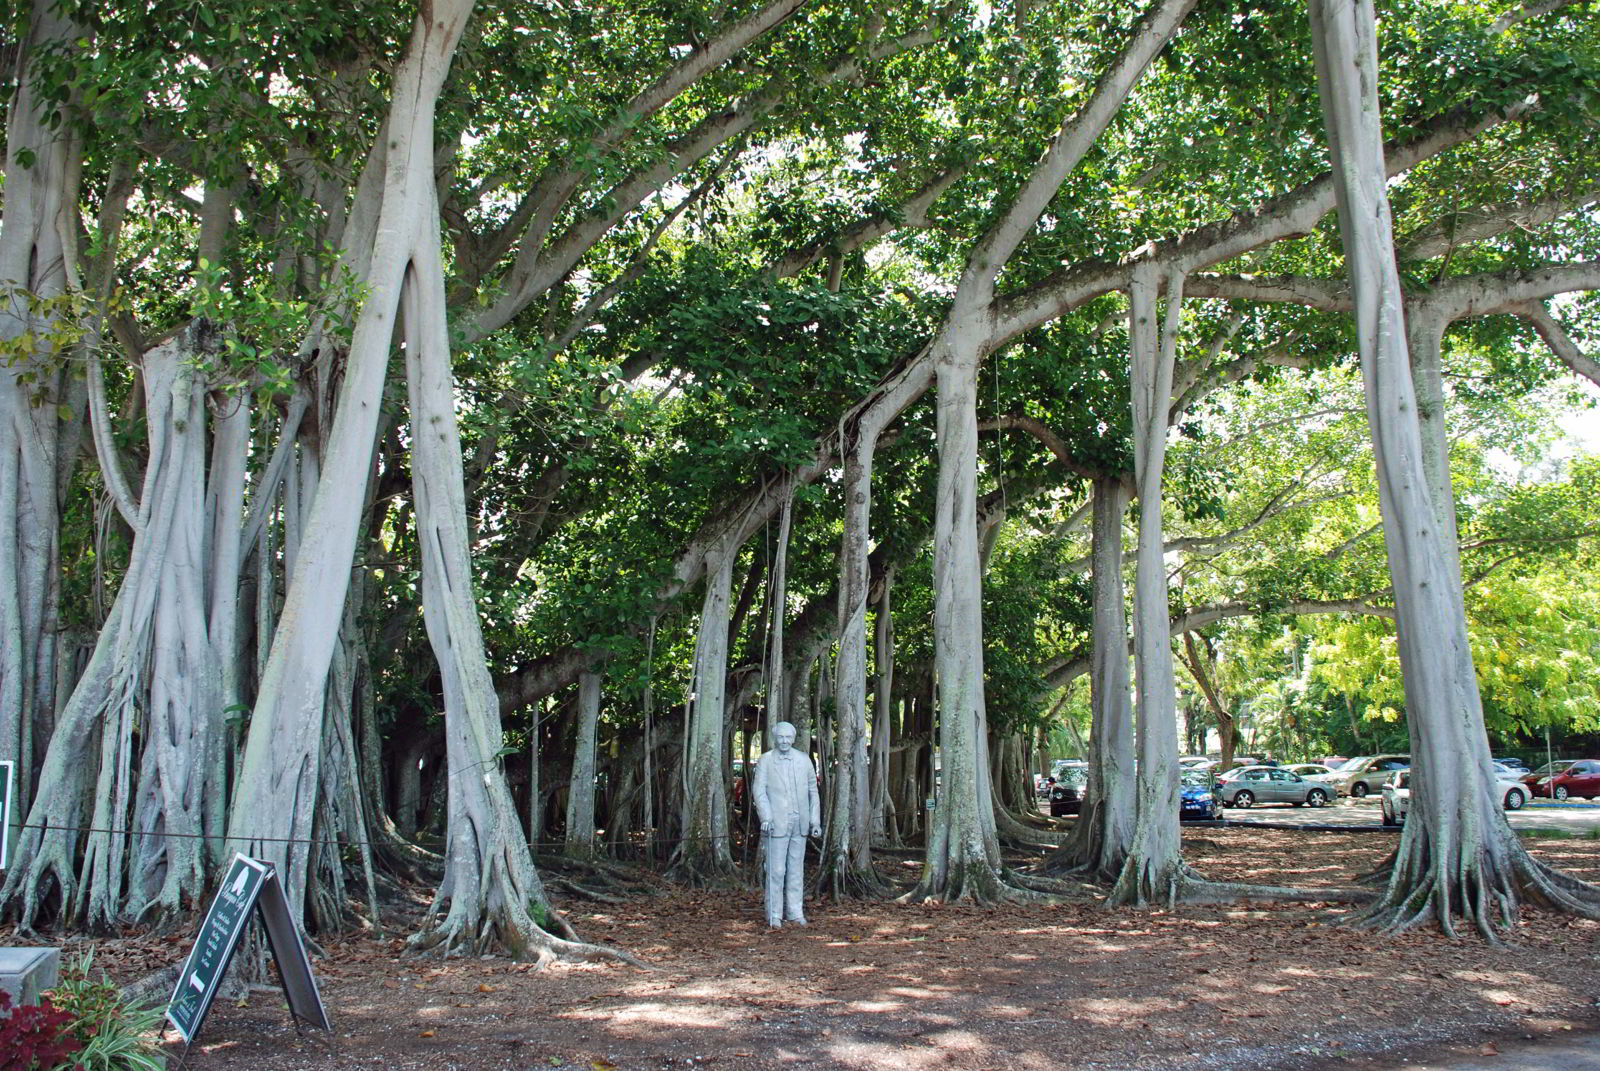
[249, 885]
[225, 923]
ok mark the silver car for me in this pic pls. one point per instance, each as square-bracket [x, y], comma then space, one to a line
[1270, 784]
[1367, 773]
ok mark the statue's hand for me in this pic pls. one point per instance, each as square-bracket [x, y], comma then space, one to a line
[766, 829]
[816, 831]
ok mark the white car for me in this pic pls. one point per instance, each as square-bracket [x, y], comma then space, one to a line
[1316, 771]
[1397, 795]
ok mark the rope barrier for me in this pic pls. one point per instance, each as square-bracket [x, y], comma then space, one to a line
[333, 842]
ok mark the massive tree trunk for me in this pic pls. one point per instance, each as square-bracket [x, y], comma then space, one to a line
[1457, 857]
[1154, 868]
[1104, 831]
[276, 797]
[963, 852]
[495, 896]
[703, 855]
[963, 857]
[40, 210]
[153, 679]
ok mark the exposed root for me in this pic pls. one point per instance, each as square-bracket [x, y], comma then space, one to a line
[46, 886]
[1205, 891]
[1482, 889]
[849, 883]
[1066, 888]
[975, 883]
[700, 867]
[460, 934]
[1015, 833]
[583, 893]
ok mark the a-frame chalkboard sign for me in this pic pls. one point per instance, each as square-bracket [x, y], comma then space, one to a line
[249, 884]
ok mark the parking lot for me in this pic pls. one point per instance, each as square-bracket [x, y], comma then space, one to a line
[1567, 817]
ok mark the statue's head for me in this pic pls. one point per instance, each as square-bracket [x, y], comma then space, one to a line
[783, 735]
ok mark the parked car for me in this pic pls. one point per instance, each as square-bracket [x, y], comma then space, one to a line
[1396, 801]
[1316, 771]
[1066, 795]
[1367, 773]
[1566, 777]
[1514, 763]
[1196, 800]
[1268, 784]
[1239, 763]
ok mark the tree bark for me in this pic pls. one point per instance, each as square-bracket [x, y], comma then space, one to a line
[703, 856]
[881, 803]
[40, 208]
[1458, 858]
[580, 837]
[1104, 831]
[1154, 868]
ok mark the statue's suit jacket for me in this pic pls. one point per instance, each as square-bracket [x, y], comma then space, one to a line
[785, 793]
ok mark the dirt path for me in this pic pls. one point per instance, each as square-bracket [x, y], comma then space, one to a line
[917, 988]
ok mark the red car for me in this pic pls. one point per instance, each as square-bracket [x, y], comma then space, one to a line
[1564, 778]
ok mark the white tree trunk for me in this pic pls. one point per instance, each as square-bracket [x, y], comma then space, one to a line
[39, 212]
[1104, 831]
[1457, 854]
[496, 898]
[580, 839]
[963, 860]
[704, 856]
[847, 855]
[155, 653]
[275, 801]
[1153, 868]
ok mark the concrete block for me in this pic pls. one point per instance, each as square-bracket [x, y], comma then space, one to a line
[27, 972]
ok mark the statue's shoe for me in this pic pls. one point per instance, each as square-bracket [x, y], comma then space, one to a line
[800, 921]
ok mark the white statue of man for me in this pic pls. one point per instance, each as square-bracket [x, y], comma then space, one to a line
[786, 800]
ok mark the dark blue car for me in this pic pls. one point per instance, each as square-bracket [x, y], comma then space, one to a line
[1195, 798]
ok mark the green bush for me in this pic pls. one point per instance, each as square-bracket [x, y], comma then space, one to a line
[115, 1034]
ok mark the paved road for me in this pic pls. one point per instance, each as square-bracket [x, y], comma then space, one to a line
[1570, 817]
[1580, 1052]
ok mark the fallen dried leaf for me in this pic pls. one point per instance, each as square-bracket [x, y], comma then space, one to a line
[426, 1034]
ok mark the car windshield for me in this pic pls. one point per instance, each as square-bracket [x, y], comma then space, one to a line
[1195, 780]
[1351, 764]
[1072, 775]
[1558, 766]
